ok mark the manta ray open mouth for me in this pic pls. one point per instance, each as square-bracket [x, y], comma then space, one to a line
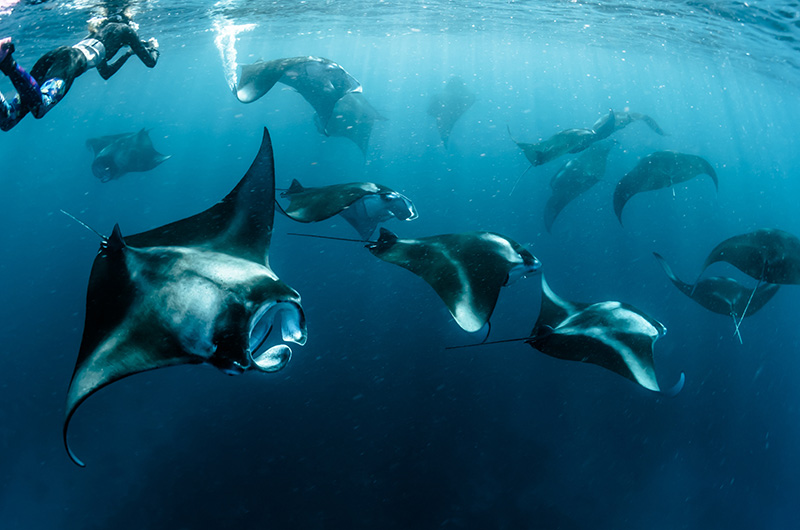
[267, 357]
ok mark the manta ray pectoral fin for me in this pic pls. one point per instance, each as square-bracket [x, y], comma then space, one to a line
[488, 327]
[553, 311]
[708, 169]
[257, 79]
[240, 224]
[608, 127]
[100, 143]
[676, 388]
[622, 194]
[117, 357]
[652, 124]
[684, 287]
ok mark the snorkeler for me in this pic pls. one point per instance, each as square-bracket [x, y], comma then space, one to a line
[53, 74]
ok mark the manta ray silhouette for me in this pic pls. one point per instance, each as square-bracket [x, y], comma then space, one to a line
[198, 290]
[448, 106]
[613, 335]
[362, 204]
[353, 118]
[466, 270]
[320, 81]
[118, 154]
[623, 119]
[723, 295]
[563, 142]
[767, 254]
[658, 170]
[576, 177]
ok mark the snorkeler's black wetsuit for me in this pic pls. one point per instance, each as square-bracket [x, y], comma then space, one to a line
[56, 70]
[68, 62]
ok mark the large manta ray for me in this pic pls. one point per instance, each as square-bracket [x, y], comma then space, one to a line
[576, 177]
[623, 119]
[768, 255]
[450, 105]
[466, 270]
[613, 335]
[723, 295]
[199, 290]
[568, 141]
[117, 154]
[658, 170]
[362, 204]
[320, 81]
[353, 118]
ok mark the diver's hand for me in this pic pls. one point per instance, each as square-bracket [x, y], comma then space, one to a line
[152, 47]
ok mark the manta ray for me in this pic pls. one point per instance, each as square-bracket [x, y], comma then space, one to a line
[117, 154]
[568, 141]
[466, 270]
[623, 119]
[576, 177]
[198, 290]
[658, 170]
[613, 335]
[353, 118]
[320, 81]
[446, 108]
[362, 204]
[723, 295]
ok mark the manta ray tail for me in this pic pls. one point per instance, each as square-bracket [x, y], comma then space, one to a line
[333, 238]
[518, 179]
[508, 128]
[87, 227]
[736, 327]
[489, 343]
[752, 293]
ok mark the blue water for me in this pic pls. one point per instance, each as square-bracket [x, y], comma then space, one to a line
[373, 424]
